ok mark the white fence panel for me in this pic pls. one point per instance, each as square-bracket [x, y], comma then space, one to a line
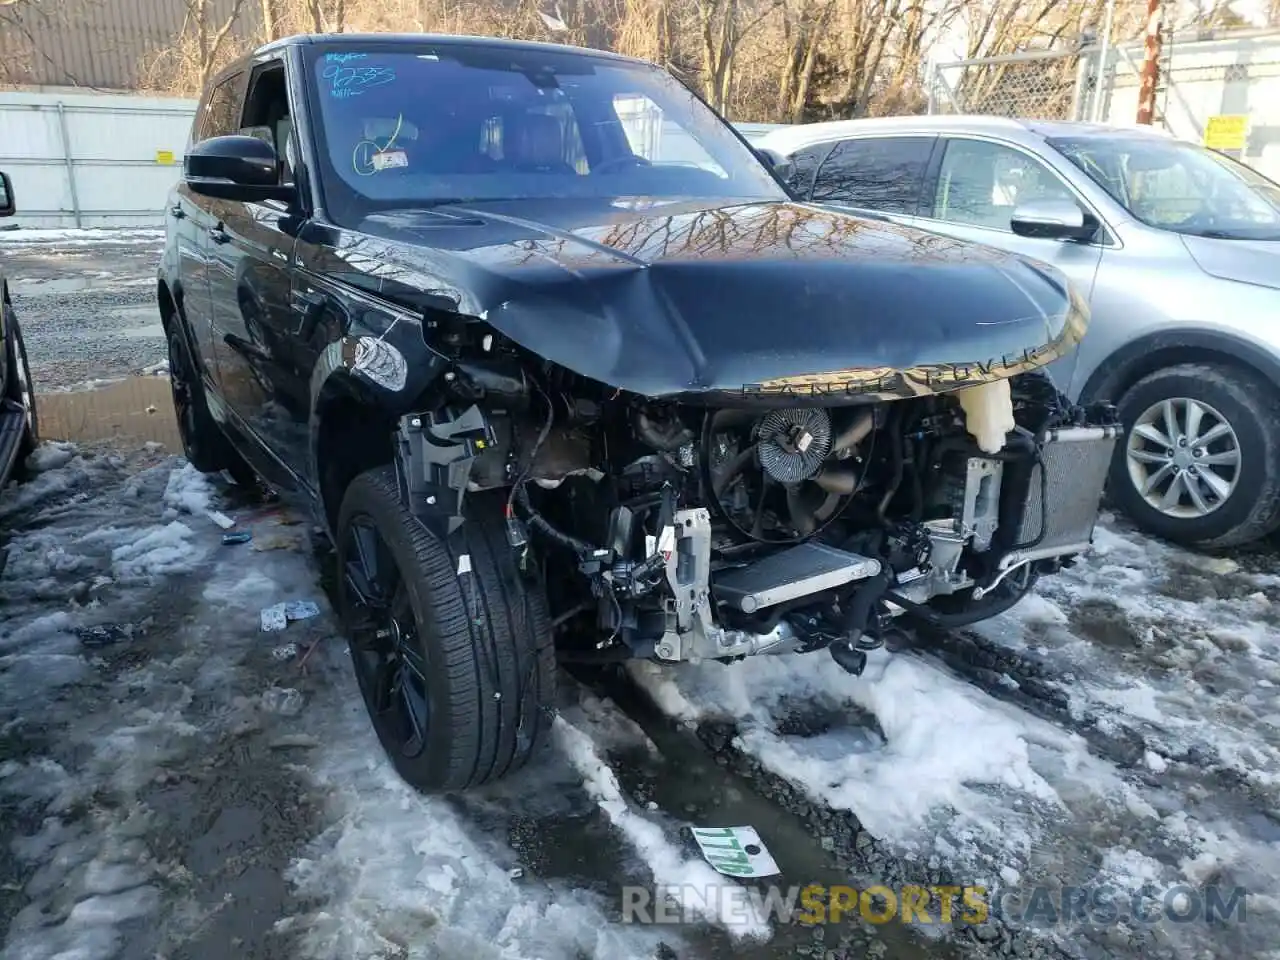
[92, 160]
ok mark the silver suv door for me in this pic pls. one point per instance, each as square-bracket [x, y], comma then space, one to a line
[979, 183]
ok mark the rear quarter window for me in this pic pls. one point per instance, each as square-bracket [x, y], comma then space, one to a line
[221, 114]
[804, 164]
[885, 174]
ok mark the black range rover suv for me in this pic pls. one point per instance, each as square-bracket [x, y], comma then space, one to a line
[566, 373]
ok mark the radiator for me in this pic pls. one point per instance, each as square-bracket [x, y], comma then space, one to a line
[1072, 474]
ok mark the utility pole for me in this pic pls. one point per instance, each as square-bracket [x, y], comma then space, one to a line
[1102, 84]
[1150, 63]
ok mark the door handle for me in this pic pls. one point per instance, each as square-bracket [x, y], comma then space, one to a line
[309, 303]
[219, 235]
[177, 211]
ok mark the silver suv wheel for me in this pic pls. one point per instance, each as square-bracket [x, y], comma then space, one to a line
[1183, 457]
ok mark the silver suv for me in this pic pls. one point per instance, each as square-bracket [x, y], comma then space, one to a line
[1177, 249]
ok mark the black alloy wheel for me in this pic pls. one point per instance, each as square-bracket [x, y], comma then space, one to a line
[386, 650]
[184, 403]
[449, 637]
[24, 391]
[203, 442]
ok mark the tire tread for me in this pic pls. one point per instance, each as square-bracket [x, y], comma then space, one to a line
[484, 742]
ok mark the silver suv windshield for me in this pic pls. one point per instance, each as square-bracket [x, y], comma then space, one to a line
[404, 124]
[1179, 186]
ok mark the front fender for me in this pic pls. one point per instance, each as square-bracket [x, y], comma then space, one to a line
[378, 360]
[1143, 355]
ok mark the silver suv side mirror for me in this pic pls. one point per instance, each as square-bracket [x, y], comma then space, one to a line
[1052, 220]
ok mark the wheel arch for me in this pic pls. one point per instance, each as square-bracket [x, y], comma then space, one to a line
[1166, 348]
[351, 432]
[168, 304]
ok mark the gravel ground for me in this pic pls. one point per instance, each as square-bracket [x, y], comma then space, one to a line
[88, 313]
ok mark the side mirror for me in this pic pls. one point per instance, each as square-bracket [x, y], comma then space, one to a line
[780, 165]
[1052, 220]
[235, 168]
[7, 206]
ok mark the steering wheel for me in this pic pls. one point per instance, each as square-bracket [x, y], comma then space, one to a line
[615, 164]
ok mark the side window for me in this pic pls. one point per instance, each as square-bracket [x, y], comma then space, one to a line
[980, 183]
[650, 134]
[266, 112]
[221, 110]
[883, 174]
[804, 163]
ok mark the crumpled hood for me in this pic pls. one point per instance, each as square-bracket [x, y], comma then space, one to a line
[1246, 261]
[675, 298]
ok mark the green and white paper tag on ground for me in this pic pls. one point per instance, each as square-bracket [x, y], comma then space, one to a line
[735, 851]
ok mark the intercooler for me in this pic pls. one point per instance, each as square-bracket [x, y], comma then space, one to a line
[1064, 493]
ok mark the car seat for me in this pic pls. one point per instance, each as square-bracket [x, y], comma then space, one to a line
[537, 145]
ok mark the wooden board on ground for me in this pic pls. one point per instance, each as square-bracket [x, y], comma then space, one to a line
[138, 409]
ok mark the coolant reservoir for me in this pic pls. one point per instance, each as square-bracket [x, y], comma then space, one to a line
[988, 413]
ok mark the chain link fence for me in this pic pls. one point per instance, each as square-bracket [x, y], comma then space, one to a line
[1043, 85]
[1206, 75]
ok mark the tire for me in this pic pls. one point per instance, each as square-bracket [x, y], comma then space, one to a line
[1236, 476]
[470, 655]
[203, 442]
[19, 378]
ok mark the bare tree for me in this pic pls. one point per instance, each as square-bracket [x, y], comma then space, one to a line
[269, 10]
[723, 25]
[210, 36]
[644, 29]
[327, 18]
[207, 40]
[804, 23]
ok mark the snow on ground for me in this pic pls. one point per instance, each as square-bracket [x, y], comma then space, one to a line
[87, 304]
[1161, 770]
[669, 866]
[76, 238]
[171, 781]
[396, 868]
[938, 769]
[162, 790]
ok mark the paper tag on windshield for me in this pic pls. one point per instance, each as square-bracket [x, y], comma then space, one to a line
[735, 851]
[390, 158]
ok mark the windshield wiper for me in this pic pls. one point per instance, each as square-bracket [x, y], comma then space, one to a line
[1233, 235]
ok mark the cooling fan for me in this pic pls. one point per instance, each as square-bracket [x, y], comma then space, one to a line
[773, 475]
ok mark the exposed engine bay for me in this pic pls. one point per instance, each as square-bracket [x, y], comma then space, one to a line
[671, 530]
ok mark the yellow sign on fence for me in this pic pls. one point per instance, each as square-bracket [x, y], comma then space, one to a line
[1226, 131]
[164, 157]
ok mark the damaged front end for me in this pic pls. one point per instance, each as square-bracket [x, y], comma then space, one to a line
[687, 528]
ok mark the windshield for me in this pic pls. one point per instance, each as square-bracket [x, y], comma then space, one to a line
[407, 125]
[1175, 185]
